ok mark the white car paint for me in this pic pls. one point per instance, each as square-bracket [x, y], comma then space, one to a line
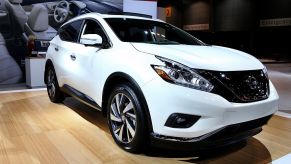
[89, 72]
[204, 57]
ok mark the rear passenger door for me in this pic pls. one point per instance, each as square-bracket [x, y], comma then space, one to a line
[65, 49]
[5, 25]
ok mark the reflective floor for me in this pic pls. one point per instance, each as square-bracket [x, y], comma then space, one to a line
[280, 74]
[33, 130]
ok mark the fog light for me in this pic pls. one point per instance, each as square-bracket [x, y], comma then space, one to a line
[178, 120]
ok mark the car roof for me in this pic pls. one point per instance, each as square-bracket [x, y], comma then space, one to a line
[104, 16]
[124, 16]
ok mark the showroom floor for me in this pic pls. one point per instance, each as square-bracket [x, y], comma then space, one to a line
[34, 130]
[280, 74]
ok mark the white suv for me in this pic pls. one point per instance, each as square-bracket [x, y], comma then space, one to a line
[158, 84]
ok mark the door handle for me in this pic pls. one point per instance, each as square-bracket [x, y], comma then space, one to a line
[73, 57]
[56, 48]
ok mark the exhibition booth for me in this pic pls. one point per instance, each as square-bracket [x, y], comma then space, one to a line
[145, 81]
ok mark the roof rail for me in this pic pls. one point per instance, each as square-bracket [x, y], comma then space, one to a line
[130, 14]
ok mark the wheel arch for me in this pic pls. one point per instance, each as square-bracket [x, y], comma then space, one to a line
[118, 78]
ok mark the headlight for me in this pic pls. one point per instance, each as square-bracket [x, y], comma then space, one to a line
[179, 74]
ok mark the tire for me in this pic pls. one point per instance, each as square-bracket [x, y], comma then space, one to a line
[127, 125]
[53, 89]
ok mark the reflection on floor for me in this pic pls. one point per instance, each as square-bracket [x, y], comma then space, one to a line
[280, 74]
[33, 130]
[286, 111]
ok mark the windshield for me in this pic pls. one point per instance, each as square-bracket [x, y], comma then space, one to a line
[152, 32]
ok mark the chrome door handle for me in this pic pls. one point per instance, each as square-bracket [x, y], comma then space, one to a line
[73, 57]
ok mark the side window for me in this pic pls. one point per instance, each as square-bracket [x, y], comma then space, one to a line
[92, 27]
[70, 32]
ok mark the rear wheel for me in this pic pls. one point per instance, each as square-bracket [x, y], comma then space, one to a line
[53, 90]
[126, 119]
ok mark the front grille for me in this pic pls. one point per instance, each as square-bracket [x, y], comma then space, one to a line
[239, 86]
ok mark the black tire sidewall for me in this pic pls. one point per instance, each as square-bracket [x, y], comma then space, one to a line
[59, 96]
[139, 141]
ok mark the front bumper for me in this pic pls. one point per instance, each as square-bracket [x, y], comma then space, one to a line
[164, 99]
[221, 137]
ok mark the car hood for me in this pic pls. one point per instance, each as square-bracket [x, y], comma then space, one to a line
[203, 57]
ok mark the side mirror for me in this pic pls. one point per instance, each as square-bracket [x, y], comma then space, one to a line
[91, 40]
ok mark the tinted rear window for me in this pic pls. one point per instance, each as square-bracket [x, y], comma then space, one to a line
[70, 32]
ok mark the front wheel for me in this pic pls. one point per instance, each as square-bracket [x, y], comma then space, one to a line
[126, 119]
[53, 90]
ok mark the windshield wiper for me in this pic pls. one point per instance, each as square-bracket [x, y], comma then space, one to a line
[165, 43]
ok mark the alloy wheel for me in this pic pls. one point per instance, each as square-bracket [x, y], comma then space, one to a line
[123, 118]
[51, 83]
